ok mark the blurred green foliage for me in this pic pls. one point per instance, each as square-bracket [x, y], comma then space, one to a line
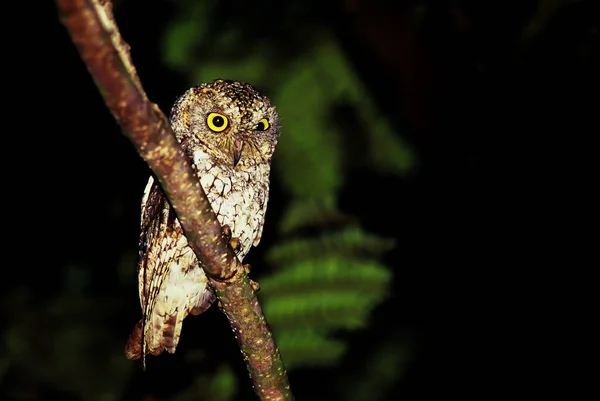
[386, 362]
[329, 280]
[67, 342]
[332, 279]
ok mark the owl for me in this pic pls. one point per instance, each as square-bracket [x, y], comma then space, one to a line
[229, 132]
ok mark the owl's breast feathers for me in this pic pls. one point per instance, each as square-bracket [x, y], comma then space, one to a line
[238, 196]
[171, 282]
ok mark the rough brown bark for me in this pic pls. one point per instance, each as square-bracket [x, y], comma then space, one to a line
[94, 32]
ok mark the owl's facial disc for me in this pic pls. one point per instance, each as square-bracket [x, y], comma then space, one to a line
[228, 121]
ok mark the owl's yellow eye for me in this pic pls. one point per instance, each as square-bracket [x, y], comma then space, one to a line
[263, 125]
[217, 122]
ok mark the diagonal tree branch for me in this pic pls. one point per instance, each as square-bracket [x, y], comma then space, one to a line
[94, 32]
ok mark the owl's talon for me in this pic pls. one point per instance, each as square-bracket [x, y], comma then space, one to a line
[233, 241]
[235, 244]
[227, 232]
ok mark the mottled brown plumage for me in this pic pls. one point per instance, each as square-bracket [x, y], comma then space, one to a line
[229, 131]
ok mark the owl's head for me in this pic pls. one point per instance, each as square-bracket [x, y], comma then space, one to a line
[228, 120]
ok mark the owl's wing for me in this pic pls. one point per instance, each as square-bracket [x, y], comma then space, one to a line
[262, 197]
[261, 223]
[171, 282]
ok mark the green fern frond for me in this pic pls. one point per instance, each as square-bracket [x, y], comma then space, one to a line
[308, 347]
[347, 242]
[328, 273]
[342, 309]
[328, 282]
[306, 97]
[311, 212]
[312, 148]
[388, 152]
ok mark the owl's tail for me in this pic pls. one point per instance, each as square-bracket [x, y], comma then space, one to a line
[162, 332]
[165, 336]
[133, 348]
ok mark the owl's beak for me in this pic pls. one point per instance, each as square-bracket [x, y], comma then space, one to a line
[238, 146]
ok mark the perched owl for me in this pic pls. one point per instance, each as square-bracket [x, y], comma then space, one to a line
[229, 131]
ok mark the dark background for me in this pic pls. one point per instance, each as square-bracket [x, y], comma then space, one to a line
[493, 109]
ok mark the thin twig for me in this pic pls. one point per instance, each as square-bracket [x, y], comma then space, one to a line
[106, 55]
